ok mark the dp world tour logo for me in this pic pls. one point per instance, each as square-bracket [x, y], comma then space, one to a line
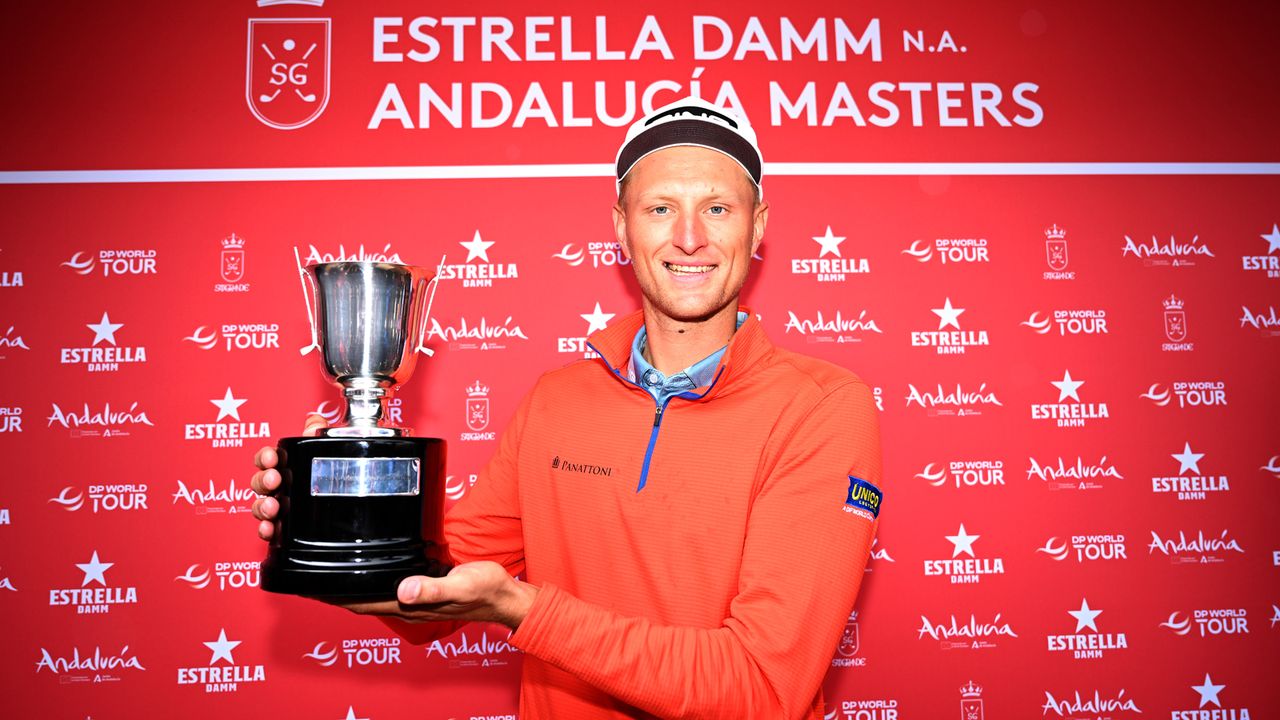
[287, 68]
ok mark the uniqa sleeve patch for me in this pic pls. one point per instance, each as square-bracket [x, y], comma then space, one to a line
[863, 499]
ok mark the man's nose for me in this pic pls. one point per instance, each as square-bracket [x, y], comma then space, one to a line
[690, 235]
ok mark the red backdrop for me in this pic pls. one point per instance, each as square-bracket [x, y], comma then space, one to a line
[986, 280]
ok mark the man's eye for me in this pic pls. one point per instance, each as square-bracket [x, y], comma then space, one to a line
[718, 210]
[661, 210]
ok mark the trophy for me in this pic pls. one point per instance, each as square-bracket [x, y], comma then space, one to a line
[360, 504]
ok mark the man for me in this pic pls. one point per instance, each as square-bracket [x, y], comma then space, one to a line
[694, 509]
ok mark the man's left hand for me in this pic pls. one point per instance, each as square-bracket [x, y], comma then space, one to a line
[478, 591]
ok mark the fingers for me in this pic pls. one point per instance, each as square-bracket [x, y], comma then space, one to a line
[265, 482]
[314, 424]
[265, 458]
[266, 508]
[419, 590]
[265, 529]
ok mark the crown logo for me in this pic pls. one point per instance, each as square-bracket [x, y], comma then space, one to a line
[853, 616]
[271, 3]
[1172, 303]
[1055, 232]
[233, 242]
[478, 390]
[972, 690]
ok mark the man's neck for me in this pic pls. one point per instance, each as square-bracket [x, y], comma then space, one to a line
[673, 346]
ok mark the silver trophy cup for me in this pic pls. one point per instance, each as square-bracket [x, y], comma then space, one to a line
[361, 504]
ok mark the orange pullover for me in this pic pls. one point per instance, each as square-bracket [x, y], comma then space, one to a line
[722, 587]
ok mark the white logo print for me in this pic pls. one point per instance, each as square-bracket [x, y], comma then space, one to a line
[603, 254]
[1269, 263]
[1064, 414]
[829, 269]
[227, 434]
[953, 342]
[483, 273]
[950, 250]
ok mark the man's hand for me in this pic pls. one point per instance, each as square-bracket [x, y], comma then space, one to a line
[267, 480]
[478, 591]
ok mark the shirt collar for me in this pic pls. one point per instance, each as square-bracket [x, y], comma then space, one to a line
[699, 374]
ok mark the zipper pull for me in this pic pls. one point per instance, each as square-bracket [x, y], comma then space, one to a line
[657, 416]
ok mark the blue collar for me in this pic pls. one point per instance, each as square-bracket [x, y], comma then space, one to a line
[661, 387]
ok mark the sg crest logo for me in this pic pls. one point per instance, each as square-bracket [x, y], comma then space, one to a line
[287, 68]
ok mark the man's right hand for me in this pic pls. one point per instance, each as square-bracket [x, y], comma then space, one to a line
[266, 481]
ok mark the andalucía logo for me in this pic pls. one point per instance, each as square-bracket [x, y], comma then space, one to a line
[226, 677]
[1189, 487]
[1209, 694]
[831, 328]
[1266, 322]
[1055, 253]
[1198, 549]
[237, 337]
[1069, 322]
[113, 263]
[1087, 646]
[103, 498]
[1077, 476]
[602, 254]
[471, 652]
[972, 635]
[1190, 393]
[1064, 414]
[1218, 621]
[11, 341]
[482, 335]
[962, 570]
[479, 274]
[1098, 707]
[358, 254]
[597, 319]
[477, 413]
[107, 358]
[964, 473]
[104, 422]
[287, 68]
[10, 419]
[226, 499]
[231, 265]
[876, 555]
[93, 600]
[829, 269]
[959, 402]
[231, 575]
[227, 434]
[1269, 263]
[950, 251]
[1086, 548]
[95, 668]
[953, 342]
[1175, 326]
[849, 645]
[1173, 253]
[357, 652]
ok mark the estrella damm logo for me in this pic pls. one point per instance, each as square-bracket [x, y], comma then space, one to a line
[863, 499]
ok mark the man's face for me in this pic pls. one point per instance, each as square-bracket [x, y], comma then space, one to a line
[689, 223]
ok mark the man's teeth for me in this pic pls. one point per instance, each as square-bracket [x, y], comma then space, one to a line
[689, 269]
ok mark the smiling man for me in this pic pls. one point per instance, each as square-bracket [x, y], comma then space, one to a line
[692, 511]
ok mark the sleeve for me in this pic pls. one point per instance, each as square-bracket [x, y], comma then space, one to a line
[484, 525]
[802, 564]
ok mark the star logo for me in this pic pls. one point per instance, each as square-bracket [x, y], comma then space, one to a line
[94, 570]
[596, 319]
[351, 714]
[1273, 238]
[830, 243]
[105, 330]
[963, 542]
[477, 248]
[1085, 616]
[1067, 388]
[228, 405]
[1208, 692]
[947, 315]
[1189, 460]
[222, 648]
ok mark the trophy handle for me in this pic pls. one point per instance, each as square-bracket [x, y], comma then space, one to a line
[308, 297]
[422, 326]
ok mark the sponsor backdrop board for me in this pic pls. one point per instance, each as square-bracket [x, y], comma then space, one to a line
[1046, 236]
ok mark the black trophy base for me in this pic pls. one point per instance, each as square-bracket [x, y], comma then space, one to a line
[357, 516]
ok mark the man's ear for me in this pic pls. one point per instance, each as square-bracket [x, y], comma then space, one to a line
[759, 219]
[620, 228]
